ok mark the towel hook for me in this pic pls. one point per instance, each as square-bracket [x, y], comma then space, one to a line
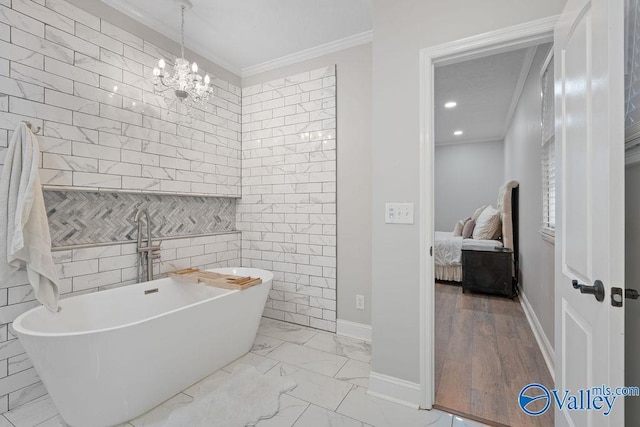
[30, 126]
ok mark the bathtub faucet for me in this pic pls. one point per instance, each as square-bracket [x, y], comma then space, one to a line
[147, 252]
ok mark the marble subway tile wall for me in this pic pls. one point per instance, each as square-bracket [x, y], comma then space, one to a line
[287, 213]
[86, 84]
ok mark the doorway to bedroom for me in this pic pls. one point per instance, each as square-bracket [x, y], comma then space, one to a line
[488, 137]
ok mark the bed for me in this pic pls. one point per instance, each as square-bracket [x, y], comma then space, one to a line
[448, 247]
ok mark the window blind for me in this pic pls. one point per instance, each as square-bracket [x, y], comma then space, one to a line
[548, 153]
[549, 186]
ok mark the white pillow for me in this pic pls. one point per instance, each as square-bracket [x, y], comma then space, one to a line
[457, 231]
[477, 213]
[488, 224]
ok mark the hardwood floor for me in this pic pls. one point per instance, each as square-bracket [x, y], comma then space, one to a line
[485, 354]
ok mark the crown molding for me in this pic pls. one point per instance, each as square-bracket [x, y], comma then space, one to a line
[195, 46]
[506, 39]
[314, 52]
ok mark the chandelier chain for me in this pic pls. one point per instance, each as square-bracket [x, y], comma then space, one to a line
[182, 32]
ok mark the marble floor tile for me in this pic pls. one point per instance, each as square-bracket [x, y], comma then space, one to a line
[261, 363]
[309, 358]
[461, 422]
[315, 416]
[355, 372]
[285, 331]
[313, 388]
[29, 393]
[382, 413]
[208, 384]
[290, 410]
[32, 413]
[57, 421]
[332, 376]
[263, 345]
[158, 415]
[342, 346]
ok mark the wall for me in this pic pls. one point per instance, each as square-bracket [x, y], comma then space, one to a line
[467, 176]
[86, 83]
[130, 25]
[288, 210]
[632, 209]
[59, 65]
[632, 275]
[523, 157]
[354, 127]
[402, 28]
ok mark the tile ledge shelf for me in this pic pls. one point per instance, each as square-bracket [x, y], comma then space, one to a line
[127, 242]
[119, 190]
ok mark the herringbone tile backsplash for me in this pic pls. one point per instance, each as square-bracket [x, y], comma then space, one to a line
[77, 218]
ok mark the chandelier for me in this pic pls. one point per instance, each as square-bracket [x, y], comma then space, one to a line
[188, 86]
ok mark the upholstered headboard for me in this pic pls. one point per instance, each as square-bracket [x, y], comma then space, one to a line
[508, 206]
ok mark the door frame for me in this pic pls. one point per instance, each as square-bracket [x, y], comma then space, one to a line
[519, 36]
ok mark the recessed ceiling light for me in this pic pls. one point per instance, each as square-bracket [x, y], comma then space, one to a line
[450, 104]
[458, 133]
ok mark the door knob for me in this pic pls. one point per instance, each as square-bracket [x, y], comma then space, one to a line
[597, 290]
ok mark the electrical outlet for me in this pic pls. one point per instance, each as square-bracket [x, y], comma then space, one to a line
[360, 302]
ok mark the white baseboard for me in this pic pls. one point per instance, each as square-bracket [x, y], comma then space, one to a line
[543, 342]
[394, 389]
[353, 330]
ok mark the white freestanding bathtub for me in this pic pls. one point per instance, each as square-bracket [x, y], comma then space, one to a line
[110, 356]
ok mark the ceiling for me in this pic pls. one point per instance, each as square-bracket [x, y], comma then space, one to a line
[241, 34]
[486, 91]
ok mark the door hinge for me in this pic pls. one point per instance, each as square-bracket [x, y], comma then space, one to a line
[431, 251]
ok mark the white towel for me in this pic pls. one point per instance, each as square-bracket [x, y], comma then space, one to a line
[25, 242]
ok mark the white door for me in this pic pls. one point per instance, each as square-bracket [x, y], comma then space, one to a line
[589, 334]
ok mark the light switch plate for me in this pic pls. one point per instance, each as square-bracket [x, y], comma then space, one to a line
[398, 213]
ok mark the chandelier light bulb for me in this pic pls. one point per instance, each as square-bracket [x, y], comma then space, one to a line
[181, 77]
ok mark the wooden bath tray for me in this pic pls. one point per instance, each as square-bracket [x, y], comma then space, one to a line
[218, 280]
